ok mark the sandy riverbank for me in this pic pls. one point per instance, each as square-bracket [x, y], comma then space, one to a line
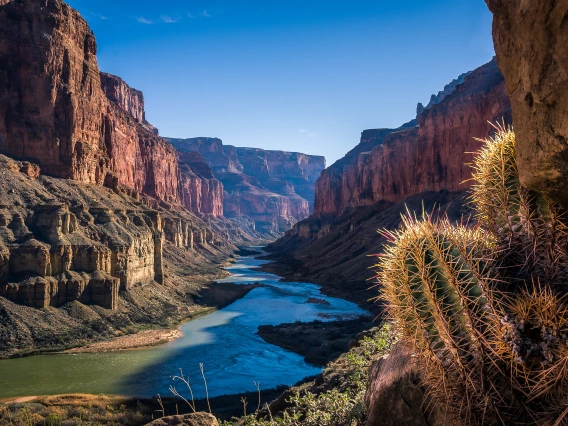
[139, 340]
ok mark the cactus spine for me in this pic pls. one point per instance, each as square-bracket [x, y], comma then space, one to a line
[437, 282]
[531, 229]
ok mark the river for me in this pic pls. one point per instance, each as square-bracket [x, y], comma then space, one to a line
[225, 341]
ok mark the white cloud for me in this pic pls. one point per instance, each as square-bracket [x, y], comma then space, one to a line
[190, 16]
[205, 14]
[143, 20]
[308, 133]
[168, 19]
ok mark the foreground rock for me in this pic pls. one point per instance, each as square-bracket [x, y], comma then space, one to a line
[395, 396]
[531, 42]
[194, 419]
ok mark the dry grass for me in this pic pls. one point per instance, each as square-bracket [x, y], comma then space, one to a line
[76, 410]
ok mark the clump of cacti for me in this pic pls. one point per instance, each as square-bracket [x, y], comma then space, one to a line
[531, 229]
[482, 305]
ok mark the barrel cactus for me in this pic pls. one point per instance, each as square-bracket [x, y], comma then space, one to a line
[438, 282]
[531, 229]
[484, 306]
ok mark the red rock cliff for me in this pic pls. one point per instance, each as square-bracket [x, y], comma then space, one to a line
[395, 164]
[200, 191]
[271, 188]
[50, 96]
[54, 112]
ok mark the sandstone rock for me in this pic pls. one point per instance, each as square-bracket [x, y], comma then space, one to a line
[194, 419]
[54, 110]
[395, 395]
[270, 187]
[127, 98]
[50, 97]
[531, 43]
[201, 192]
[62, 241]
[392, 164]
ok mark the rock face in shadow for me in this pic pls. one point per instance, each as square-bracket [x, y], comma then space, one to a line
[392, 164]
[531, 42]
[395, 395]
[270, 188]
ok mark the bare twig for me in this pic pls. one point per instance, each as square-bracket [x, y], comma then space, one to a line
[162, 407]
[206, 390]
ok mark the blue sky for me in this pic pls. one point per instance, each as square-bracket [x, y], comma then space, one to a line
[295, 75]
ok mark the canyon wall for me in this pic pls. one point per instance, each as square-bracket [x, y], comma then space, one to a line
[58, 111]
[393, 164]
[201, 192]
[63, 240]
[50, 90]
[531, 43]
[421, 165]
[271, 188]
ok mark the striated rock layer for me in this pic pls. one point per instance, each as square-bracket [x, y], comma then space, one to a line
[61, 240]
[392, 164]
[531, 42]
[270, 188]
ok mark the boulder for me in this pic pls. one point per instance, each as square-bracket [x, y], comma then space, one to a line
[194, 419]
[395, 395]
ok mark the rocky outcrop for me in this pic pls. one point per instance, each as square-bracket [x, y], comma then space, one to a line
[442, 94]
[193, 419]
[61, 240]
[395, 395]
[128, 99]
[271, 188]
[392, 164]
[531, 42]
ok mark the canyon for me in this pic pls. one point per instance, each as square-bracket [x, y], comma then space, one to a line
[104, 226]
[274, 189]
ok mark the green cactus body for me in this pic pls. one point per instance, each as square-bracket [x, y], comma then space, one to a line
[532, 231]
[437, 283]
